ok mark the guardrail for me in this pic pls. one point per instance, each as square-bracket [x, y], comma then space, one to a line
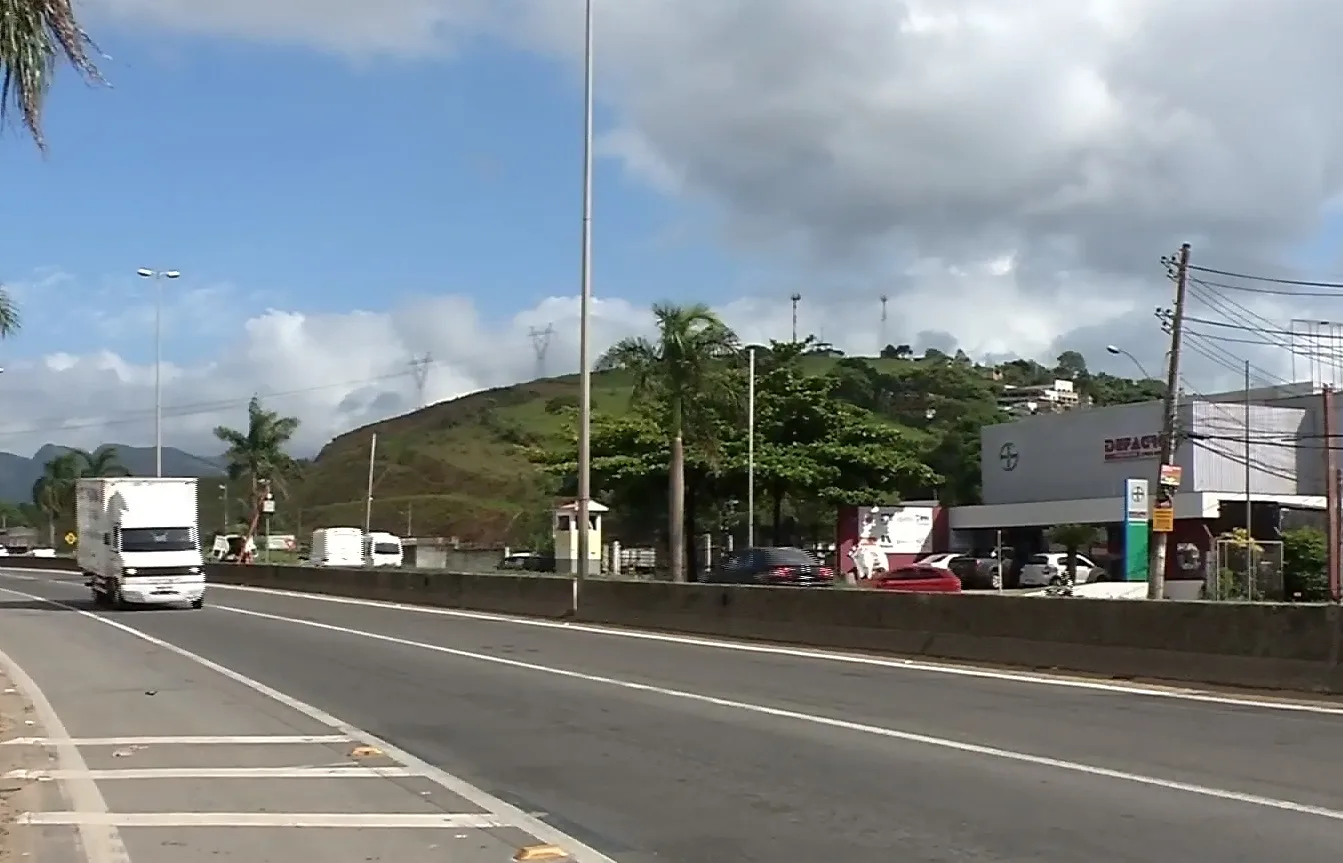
[1273, 646]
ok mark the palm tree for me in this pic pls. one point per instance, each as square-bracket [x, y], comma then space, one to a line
[54, 491]
[34, 35]
[684, 370]
[9, 312]
[257, 455]
[104, 461]
[1073, 538]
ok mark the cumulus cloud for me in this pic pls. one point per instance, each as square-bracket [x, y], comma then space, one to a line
[1008, 173]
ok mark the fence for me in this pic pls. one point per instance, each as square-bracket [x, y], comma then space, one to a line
[1245, 572]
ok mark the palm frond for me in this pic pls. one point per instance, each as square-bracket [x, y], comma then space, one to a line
[34, 36]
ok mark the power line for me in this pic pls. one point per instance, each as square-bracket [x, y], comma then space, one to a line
[1268, 279]
[46, 425]
[541, 346]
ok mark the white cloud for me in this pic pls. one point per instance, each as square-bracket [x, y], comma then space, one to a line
[1008, 173]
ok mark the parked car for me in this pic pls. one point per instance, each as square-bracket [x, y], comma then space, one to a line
[975, 573]
[918, 578]
[783, 566]
[939, 559]
[1043, 570]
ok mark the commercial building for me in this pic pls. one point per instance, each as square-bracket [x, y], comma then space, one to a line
[1066, 468]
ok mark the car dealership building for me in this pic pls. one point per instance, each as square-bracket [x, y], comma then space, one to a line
[1064, 468]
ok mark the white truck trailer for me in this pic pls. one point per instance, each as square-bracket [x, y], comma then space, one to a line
[139, 543]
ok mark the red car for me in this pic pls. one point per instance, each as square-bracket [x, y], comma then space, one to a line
[918, 579]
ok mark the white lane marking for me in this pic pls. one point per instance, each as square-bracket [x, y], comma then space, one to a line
[221, 740]
[101, 842]
[1040, 679]
[221, 773]
[358, 820]
[815, 719]
[505, 813]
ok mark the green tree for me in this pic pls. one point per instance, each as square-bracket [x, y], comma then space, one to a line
[1073, 538]
[103, 461]
[257, 455]
[34, 36]
[54, 490]
[1305, 559]
[683, 372]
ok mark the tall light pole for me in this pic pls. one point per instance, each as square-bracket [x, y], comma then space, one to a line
[750, 448]
[158, 276]
[584, 312]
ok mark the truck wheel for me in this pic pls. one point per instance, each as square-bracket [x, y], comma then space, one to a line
[119, 602]
[198, 603]
[99, 599]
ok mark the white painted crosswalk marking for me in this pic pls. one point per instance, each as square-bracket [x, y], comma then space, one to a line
[358, 820]
[223, 740]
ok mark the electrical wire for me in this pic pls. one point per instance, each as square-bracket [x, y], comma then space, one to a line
[1267, 279]
[52, 424]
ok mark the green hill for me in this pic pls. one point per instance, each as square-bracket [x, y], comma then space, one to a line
[460, 468]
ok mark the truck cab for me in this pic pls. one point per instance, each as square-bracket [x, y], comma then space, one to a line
[383, 549]
[138, 541]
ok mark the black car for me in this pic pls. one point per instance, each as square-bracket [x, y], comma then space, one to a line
[782, 566]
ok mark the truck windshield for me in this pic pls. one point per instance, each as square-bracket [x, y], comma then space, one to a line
[157, 539]
[386, 548]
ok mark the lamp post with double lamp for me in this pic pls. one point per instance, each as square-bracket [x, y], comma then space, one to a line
[584, 315]
[158, 276]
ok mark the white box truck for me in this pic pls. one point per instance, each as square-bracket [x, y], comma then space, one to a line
[139, 543]
[337, 546]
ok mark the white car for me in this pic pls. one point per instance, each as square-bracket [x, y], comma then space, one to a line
[1042, 570]
[941, 560]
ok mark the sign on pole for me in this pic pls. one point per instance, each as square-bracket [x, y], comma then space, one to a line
[1163, 516]
[70, 538]
[1137, 521]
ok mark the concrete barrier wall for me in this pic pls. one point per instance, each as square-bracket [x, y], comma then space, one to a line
[54, 564]
[1295, 647]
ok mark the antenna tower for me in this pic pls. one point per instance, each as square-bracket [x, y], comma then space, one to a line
[541, 345]
[795, 299]
[419, 370]
[884, 338]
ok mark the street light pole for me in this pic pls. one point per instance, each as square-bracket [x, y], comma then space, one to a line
[158, 276]
[750, 448]
[584, 313]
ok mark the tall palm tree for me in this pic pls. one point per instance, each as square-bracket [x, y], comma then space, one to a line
[34, 36]
[54, 491]
[9, 312]
[683, 368]
[257, 455]
[104, 461]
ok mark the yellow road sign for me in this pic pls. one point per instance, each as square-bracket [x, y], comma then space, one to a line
[1163, 519]
[70, 538]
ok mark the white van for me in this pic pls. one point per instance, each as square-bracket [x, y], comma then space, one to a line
[383, 549]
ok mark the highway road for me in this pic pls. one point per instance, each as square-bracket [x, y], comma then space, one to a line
[637, 747]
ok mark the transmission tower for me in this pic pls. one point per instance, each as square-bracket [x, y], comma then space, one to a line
[419, 370]
[795, 299]
[541, 345]
[884, 339]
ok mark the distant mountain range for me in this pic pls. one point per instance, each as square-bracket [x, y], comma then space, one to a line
[17, 474]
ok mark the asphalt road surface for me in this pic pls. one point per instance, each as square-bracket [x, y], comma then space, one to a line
[499, 734]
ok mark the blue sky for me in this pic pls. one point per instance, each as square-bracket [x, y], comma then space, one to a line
[288, 178]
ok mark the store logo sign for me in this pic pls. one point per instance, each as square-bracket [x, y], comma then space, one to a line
[1132, 447]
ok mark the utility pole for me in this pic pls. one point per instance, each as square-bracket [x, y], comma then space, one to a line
[795, 299]
[419, 369]
[1156, 571]
[1249, 498]
[541, 346]
[750, 450]
[1331, 489]
[410, 518]
[368, 495]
